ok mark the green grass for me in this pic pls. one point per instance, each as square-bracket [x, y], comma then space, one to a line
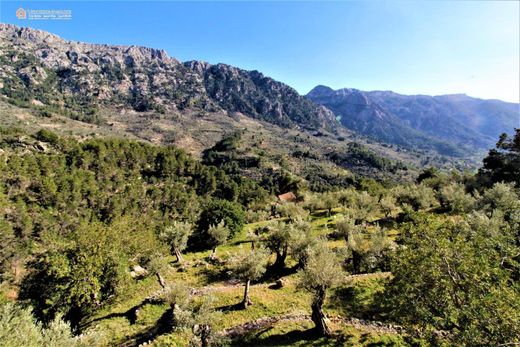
[301, 334]
[356, 298]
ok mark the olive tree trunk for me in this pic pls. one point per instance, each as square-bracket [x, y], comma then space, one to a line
[318, 317]
[178, 255]
[161, 280]
[279, 263]
[247, 300]
[203, 331]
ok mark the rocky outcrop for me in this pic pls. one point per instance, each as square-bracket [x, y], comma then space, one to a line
[81, 77]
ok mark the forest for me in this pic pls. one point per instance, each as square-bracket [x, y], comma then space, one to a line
[116, 242]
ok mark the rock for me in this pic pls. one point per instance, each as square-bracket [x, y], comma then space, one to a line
[36, 102]
[138, 271]
[147, 79]
[41, 146]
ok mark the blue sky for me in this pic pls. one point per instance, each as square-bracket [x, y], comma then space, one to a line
[409, 47]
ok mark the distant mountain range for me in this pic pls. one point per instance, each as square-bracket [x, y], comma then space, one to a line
[95, 82]
[449, 124]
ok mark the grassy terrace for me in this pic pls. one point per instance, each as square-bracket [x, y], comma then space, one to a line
[280, 314]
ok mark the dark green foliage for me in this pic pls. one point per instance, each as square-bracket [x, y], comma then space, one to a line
[216, 211]
[228, 143]
[47, 136]
[358, 155]
[459, 277]
[428, 173]
[93, 208]
[322, 180]
[502, 163]
[75, 275]
[280, 182]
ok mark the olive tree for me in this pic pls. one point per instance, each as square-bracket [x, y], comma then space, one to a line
[292, 211]
[455, 276]
[330, 201]
[18, 328]
[418, 196]
[249, 266]
[157, 264]
[190, 312]
[277, 241]
[360, 206]
[176, 237]
[218, 235]
[320, 273]
[286, 239]
[301, 240]
[345, 227]
[501, 196]
[387, 205]
[454, 198]
[368, 246]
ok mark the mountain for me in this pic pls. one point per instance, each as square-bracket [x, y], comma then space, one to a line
[91, 90]
[450, 124]
[43, 69]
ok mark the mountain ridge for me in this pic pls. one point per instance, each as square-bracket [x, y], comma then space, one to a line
[453, 119]
[143, 78]
[97, 83]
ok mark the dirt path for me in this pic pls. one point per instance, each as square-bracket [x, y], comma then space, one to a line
[236, 284]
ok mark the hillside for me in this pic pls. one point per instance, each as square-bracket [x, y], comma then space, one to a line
[79, 78]
[130, 243]
[146, 201]
[137, 92]
[450, 124]
[98, 90]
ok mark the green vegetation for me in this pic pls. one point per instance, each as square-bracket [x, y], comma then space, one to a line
[176, 236]
[503, 162]
[19, 328]
[459, 277]
[249, 266]
[320, 273]
[112, 242]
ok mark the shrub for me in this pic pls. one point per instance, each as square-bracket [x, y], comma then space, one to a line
[216, 211]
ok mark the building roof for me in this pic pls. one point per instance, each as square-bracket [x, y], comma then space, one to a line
[287, 197]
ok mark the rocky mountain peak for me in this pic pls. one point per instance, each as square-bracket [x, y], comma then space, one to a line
[81, 76]
[320, 91]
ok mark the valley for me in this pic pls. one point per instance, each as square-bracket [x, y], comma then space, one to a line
[146, 201]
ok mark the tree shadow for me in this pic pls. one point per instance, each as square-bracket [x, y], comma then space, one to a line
[275, 286]
[273, 273]
[284, 339]
[131, 314]
[354, 301]
[323, 213]
[212, 274]
[162, 326]
[385, 222]
[232, 307]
